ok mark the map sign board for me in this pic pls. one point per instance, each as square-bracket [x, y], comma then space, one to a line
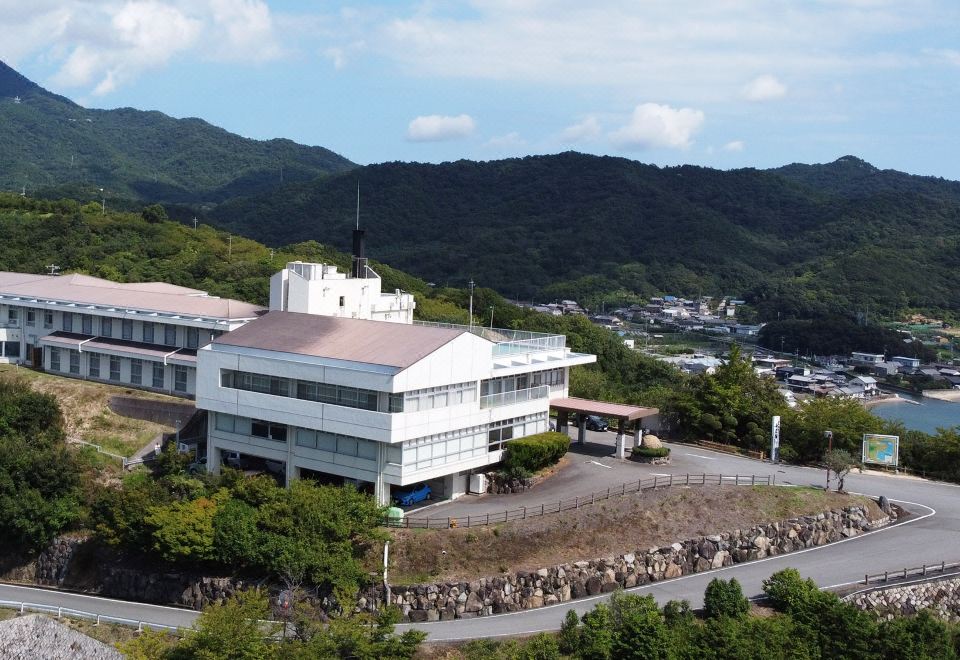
[881, 449]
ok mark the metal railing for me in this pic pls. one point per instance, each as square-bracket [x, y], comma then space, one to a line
[98, 448]
[24, 606]
[514, 396]
[569, 504]
[917, 571]
[507, 341]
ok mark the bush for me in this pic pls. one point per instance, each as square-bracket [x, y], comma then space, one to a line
[723, 598]
[651, 452]
[535, 452]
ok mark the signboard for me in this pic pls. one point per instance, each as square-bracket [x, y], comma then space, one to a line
[775, 439]
[881, 449]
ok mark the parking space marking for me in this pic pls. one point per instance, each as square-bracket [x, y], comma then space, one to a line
[709, 458]
[609, 467]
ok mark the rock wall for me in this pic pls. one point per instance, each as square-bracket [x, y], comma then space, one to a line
[942, 597]
[558, 584]
[169, 588]
[52, 564]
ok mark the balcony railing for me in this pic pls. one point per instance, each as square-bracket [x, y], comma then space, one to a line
[507, 341]
[515, 396]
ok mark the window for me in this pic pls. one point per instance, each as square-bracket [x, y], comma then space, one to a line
[268, 430]
[13, 315]
[127, 329]
[158, 375]
[224, 422]
[180, 378]
[86, 322]
[67, 322]
[169, 335]
[75, 362]
[136, 371]
[148, 332]
[31, 317]
[94, 365]
[106, 327]
[343, 301]
[47, 319]
[11, 349]
[54, 359]
[114, 367]
[396, 403]
[193, 337]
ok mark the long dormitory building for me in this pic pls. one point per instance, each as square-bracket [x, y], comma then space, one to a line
[144, 335]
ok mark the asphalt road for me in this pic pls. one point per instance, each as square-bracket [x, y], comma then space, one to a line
[929, 536]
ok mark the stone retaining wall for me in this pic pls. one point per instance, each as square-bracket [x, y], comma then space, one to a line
[942, 597]
[558, 584]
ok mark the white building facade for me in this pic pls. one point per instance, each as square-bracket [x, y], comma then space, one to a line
[388, 404]
[143, 335]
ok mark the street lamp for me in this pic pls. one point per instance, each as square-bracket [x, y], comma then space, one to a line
[103, 202]
[828, 436]
[491, 317]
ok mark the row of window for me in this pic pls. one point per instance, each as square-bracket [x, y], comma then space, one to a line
[255, 427]
[149, 332]
[97, 364]
[341, 395]
[522, 381]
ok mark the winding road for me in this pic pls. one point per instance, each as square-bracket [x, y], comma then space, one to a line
[930, 535]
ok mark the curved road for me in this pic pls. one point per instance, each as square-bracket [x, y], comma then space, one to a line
[929, 536]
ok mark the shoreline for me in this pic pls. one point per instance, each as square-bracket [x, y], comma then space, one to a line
[952, 396]
[887, 397]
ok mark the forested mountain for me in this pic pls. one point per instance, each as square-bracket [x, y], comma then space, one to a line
[799, 241]
[49, 142]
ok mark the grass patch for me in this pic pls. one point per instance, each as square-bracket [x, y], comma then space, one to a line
[86, 413]
[622, 524]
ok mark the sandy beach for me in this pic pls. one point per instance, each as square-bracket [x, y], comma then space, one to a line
[943, 395]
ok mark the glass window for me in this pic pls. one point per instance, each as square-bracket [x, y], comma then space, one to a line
[47, 319]
[169, 335]
[259, 428]
[127, 329]
[54, 359]
[94, 365]
[346, 446]
[67, 322]
[225, 422]
[396, 403]
[74, 362]
[114, 367]
[136, 371]
[158, 375]
[106, 327]
[180, 378]
[148, 332]
[31, 317]
[86, 323]
[366, 449]
[307, 438]
[13, 314]
[326, 441]
[12, 349]
[193, 337]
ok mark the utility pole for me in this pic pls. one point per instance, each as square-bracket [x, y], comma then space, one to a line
[194, 223]
[230, 246]
[103, 202]
[471, 303]
[491, 317]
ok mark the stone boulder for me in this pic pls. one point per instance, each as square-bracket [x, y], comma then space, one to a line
[651, 441]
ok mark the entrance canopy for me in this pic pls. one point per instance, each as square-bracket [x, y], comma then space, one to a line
[602, 409]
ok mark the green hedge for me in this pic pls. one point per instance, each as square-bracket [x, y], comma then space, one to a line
[649, 452]
[535, 452]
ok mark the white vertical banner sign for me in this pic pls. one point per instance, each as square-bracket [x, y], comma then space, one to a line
[775, 439]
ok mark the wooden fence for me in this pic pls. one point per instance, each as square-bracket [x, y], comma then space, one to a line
[638, 486]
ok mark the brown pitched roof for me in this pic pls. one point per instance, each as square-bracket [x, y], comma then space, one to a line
[373, 342]
[602, 408]
[146, 296]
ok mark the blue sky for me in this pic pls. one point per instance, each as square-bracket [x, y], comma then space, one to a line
[721, 83]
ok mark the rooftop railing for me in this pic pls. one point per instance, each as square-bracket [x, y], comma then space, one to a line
[507, 341]
[515, 396]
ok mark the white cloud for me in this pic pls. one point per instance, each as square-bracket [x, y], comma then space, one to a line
[106, 44]
[435, 128]
[657, 126]
[735, 146]
[583, 131]
[764, 88]
[511, 140]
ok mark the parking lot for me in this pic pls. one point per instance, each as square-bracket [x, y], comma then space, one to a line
[590, 468]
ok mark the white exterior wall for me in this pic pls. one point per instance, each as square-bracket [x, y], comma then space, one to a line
[463, 428]
[321, 289]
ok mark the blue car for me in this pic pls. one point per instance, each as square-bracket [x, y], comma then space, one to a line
[411, 497]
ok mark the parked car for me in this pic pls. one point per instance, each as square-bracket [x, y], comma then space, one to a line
[413, 496]
[595, 423]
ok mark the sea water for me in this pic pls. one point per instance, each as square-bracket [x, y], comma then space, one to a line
[920, 413]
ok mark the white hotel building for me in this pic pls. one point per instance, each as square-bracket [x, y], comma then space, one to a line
[390, 404]
[142, 335]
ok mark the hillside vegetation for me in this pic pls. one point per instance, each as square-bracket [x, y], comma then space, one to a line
[798, 242]
[50, 142]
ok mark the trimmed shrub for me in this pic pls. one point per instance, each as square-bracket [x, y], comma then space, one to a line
[724, 598]
[535, 452]
[649, 452]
